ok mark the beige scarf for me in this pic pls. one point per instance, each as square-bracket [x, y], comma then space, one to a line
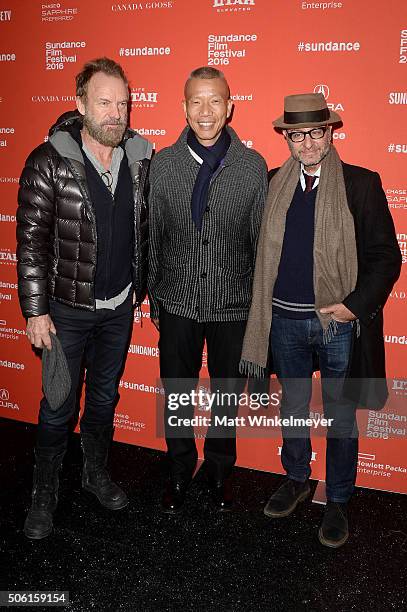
[335, 256]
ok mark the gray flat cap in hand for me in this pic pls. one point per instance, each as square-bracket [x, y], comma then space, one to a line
[56, 380]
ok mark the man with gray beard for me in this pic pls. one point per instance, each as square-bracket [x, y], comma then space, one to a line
[326, 263]
[82, 236]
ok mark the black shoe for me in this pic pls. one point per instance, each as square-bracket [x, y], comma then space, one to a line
[95, 477]
[48, 461]
[173, 497]
[285, 499]
[334, 530]
[221, 495]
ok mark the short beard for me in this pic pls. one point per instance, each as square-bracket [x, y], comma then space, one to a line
[107, 138]
[316, 163]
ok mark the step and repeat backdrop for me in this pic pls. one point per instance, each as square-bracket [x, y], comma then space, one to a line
[354, 52]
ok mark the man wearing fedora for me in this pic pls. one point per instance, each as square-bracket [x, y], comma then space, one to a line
[326, 262]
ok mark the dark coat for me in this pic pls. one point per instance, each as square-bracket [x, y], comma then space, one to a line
[205, 275]
[379, 264]
[56, 224]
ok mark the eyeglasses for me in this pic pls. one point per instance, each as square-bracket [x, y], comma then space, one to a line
[107, 178]
[315, 134]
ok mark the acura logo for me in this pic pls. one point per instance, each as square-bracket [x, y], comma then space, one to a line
[324, 89]
[4, 395]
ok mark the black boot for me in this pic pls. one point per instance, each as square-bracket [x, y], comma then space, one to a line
[95, 478]
[48, 461]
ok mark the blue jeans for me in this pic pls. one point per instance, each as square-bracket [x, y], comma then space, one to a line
[293, 343]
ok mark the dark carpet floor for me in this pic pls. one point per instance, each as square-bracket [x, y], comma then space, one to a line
[140, 559]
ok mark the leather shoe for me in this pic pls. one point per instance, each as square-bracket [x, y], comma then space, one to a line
[334, 529]
[286, 498]
[221, 495]
[173, 498]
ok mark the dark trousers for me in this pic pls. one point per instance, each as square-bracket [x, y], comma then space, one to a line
[181, 345]
[293, 343]
[99, 340]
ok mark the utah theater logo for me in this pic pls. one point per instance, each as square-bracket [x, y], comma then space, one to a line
[140, 98]
[7, 257]
[224, 6]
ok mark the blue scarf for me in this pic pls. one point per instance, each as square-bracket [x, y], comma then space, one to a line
[212, 158]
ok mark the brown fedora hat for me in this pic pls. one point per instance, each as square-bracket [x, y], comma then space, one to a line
[303, 110]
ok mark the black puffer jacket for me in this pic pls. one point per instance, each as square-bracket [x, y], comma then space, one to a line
[56, 225]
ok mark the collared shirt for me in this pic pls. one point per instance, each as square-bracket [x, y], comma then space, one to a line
[317, 175]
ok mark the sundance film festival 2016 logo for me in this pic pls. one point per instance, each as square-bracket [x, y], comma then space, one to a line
[6, 402]
[140, 98]
[222, 47]
[229, 6]
[397, 198]
[141, 6]
[58, 11]
[59, 53]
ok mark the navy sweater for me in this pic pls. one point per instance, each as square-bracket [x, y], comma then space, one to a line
[293, 295]
[115, 230]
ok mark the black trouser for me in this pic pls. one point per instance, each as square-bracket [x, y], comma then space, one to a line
[181, 345]
[102, 338]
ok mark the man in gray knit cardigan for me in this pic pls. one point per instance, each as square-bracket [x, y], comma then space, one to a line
[206, 202]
